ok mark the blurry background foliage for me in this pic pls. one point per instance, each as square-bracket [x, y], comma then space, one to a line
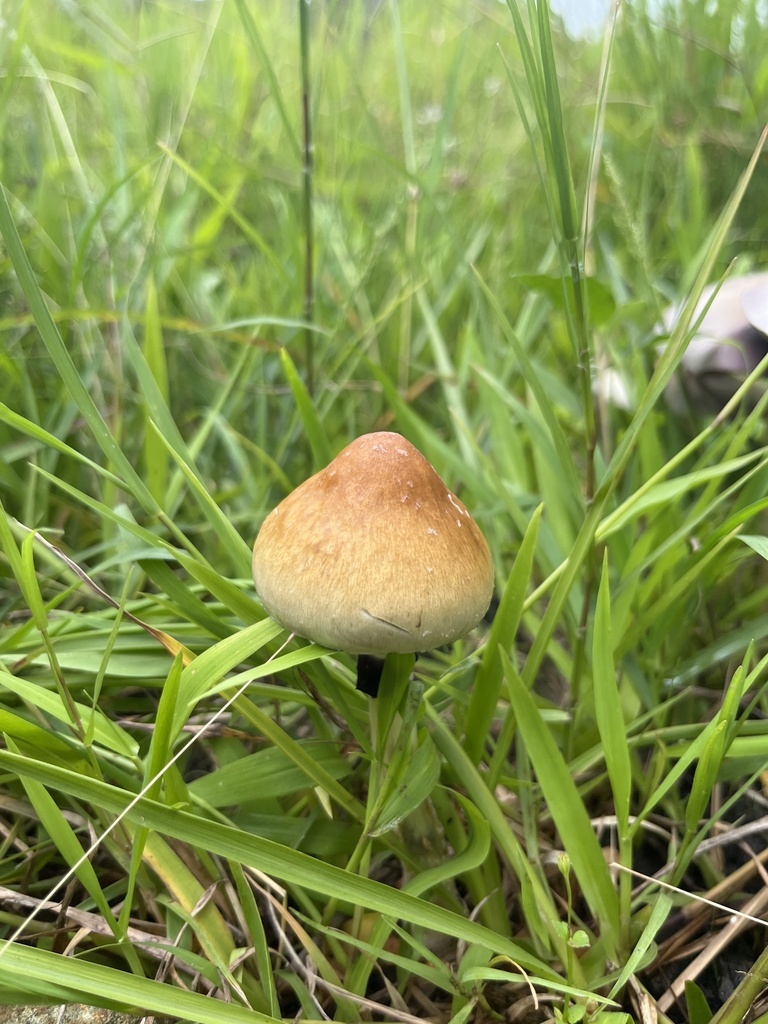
[153, 166]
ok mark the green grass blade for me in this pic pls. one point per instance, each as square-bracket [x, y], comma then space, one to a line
[280, 862]
[262, 53]
[45, 437]
[610, 719]
[106, 733]
[270, 772]
[539, 908]
[105, 984]
[318, 440]
[239, 552]
[66, 842]
[248, 230]
[212, 665]
[155, 456]
[231, 595]
[489, 678]
[64, 363]
[565, 459]
[567, 809]
[678, 339]
[660, 911]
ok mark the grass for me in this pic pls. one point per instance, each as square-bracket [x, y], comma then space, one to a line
[236, 236]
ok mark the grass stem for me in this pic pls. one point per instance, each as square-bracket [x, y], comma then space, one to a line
[307, 171]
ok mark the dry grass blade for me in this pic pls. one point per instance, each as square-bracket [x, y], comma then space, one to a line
[168, 642]
[716, 944]
[85, 920]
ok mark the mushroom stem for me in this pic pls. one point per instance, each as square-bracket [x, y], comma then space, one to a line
[389, 710]
[369, 670]
[387, 733]
[394, 729]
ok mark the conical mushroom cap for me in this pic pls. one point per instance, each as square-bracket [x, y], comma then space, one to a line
[731, 340]
[374, 555]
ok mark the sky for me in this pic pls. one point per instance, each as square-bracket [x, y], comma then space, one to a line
[582, 17]
[589, 17]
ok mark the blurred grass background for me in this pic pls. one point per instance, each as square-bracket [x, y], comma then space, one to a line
[153, 164]
[152, 158]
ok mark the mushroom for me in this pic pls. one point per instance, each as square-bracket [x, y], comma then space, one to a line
[730, 341]
[373, 555]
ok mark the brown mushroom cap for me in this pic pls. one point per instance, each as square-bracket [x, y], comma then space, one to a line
[374, 554]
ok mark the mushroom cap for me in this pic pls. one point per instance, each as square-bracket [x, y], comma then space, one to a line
[374, 555]
[740, 306]
[731, 340]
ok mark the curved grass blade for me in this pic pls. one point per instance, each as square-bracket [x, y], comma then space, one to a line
[567, 809]
[64, 363]
[275, 860]
[101, 983]
[489, 678]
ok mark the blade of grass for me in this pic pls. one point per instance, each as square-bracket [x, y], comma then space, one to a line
[230, 595]
[278, 861]
[307, 175]
[318, 440]
[213, 664]
[239, 552]
[258, 939]
[567, 810]
[263, 55]
[101, 983]
[107, 733]
[248, 230]
[489, 678]
[410, 164]
[664, 370]
[155, 456]
[539, 909]
[613, 735]
[64, 363]
[160, 752]
[565, 459]
[45, 437]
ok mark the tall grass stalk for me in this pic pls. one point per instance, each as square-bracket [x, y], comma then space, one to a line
[307, 170]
